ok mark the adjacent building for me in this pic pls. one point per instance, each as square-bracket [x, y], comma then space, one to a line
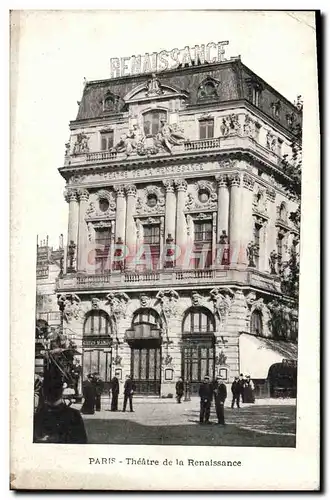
[178, 223]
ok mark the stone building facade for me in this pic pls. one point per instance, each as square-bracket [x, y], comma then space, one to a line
[178, 223]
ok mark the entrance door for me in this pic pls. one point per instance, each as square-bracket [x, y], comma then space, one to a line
[145, 366]
[96, 360]
[198, 361]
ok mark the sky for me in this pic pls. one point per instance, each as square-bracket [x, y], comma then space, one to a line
[53, 51]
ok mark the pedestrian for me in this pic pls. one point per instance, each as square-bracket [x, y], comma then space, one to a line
[55, 422]
[89, 394]
[99, 384]
[249, 390]
[76, 374]
[220, 395]
[115, 393]
[205, 393]
[179, 389]
[241, 382]
[39, 400]
[236, 392]
[128, 393]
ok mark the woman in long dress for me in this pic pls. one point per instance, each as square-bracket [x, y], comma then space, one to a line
[89, 394]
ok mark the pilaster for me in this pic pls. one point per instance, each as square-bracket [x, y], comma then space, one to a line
[120, 212]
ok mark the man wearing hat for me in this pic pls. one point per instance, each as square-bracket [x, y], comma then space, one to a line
[205, 393]
[220, 395]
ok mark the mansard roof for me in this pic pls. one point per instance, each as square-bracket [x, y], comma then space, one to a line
[232, 78]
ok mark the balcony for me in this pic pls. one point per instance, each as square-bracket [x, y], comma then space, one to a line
[202, 146]
[178, 278]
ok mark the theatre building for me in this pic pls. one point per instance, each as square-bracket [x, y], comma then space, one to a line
[178, 224]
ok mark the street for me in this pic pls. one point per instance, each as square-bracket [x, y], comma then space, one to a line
[164, 422]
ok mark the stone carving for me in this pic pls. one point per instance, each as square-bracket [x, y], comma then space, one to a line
[168, 185]
[95, 210]
[230, 125]
[168, 299]
[151, 200]
[144, 300]
[196, 299]
[82, 194]
[117, 360]
[250, 128]
[221, 359]
[169, 136]
[260, 201]
[153, 87]
[67, 149]
[90, 231]
[167, 360]
[111, 102]
[95, 303]
[203, 196]
[250, 298]
[70, 307]
[270, 141]
[222, 299]
[81, 144]
[251, 252]
[273, 257]
[181, 185]
[70, 195]
[234, 179]
[228, 163]
[118, 304]
[133, 142]
[248, 181]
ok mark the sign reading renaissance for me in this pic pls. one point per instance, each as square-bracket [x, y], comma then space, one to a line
[166, 60]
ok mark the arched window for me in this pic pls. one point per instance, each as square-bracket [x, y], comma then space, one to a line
[256, 323]
[198, 320]
[152, 122]
[97, 323]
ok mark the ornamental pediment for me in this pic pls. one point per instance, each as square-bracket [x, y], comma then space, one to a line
[154, 89]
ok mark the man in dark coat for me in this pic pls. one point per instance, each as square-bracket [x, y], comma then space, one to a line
[179, 388]
[128, 393]
[241, 382]
[236, 392]
[205, 393]
[220, 395]
[76, 374]
[55, 422]
[99, 384]
[89, 393]
[115, 393]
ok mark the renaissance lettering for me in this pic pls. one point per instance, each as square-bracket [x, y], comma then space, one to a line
[166, 60]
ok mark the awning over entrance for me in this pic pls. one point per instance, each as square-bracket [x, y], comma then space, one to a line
[258, 354]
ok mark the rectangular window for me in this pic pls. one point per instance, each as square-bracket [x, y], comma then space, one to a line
[151, 237]
[107, 140]
[152, 122]
[257, 229]
[102, 238]
[255, 96]
[206, 129]
[202, 244]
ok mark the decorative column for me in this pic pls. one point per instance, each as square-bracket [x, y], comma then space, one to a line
[247, 216]
[71, 197]
[170, 203]
[120, 211]
[181, 229]
[223, 205]
[235, 216]
[83, 196]
[130, 223]
[271, 230]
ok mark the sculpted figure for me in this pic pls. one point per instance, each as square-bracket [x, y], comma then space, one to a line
[169, 135]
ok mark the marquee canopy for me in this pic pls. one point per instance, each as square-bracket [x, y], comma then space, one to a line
[257, 354]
